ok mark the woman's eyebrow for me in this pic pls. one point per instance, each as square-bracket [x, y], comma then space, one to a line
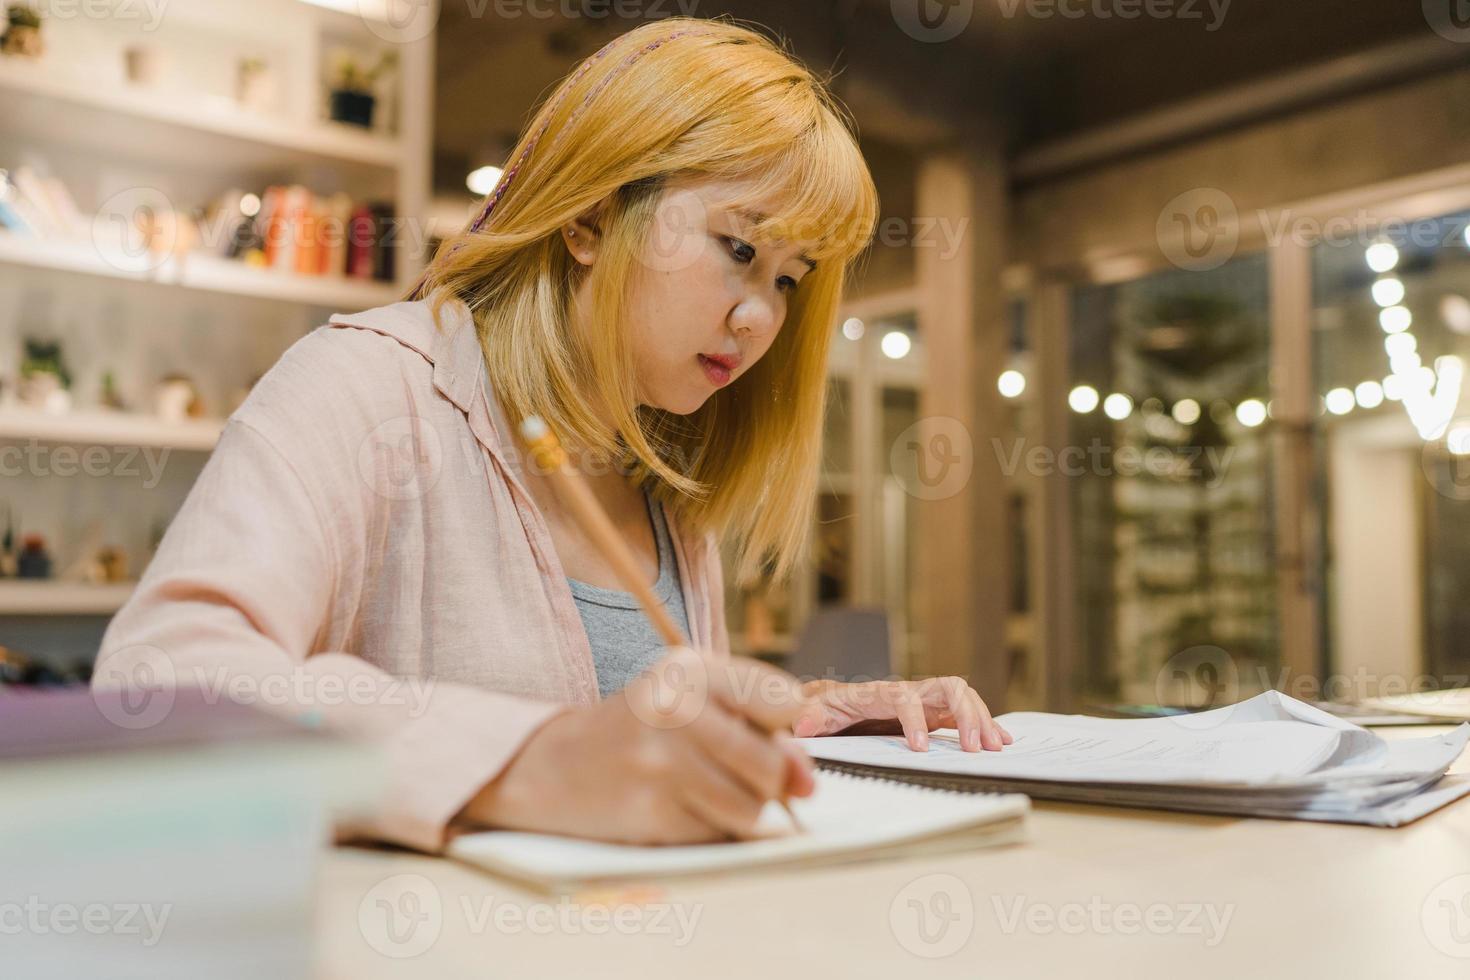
[756, 217]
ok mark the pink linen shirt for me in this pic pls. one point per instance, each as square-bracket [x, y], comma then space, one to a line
[362, 521]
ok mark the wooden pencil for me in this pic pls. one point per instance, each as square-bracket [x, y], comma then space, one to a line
[577, 497]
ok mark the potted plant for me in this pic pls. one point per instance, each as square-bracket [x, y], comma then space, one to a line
[44, 378]
[352, 84]
[22, 32]
[254, 83]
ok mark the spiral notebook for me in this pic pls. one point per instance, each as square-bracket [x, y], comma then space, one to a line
[848, 818]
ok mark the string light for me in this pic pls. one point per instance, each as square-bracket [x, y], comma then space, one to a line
[1369, 394]
[1382, 257]
[1340, 401]
[853, 328]
[1388, 292]
[1395, 319]
[1400, 344]
[1117, 406]
[1251, 412]
[1186, 411]
[895, 345]
[1082, 399]
[1011, 383]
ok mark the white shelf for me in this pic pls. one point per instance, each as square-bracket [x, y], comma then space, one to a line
[106, 428]
[203, 272]
[206, 131]
[21, 597]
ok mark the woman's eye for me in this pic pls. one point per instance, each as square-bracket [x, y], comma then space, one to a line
[743, 252]
[786, 284]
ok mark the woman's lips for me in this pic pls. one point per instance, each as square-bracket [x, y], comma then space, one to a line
[719, 372]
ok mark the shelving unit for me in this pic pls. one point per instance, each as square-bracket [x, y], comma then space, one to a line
[23, 597]
[106, 428]
[202, 272]
[75, 115]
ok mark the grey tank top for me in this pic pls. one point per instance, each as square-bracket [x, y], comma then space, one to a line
[624, 643]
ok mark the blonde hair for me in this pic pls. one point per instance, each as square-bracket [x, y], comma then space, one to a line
[697, 99]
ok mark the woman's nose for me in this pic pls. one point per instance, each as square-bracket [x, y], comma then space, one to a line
[756, 315]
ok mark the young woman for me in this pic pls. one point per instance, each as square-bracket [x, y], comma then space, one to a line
[656, 276]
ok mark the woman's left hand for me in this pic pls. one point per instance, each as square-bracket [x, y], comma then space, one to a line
[912, 708]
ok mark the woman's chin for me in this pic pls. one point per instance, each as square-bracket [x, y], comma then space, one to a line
[684, 403]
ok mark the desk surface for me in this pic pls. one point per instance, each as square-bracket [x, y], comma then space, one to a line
[1095, 891]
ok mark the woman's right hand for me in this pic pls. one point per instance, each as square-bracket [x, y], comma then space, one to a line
[678, 756]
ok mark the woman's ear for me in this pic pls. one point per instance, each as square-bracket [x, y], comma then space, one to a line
[583, 235]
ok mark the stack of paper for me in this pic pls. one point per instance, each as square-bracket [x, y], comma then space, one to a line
[1271, 756]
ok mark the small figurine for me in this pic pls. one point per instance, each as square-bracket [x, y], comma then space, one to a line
[23, 33]
[34, 561]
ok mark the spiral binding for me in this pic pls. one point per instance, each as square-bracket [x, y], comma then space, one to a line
[963, 785]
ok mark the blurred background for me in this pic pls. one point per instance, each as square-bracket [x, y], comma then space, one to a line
[1149, 388]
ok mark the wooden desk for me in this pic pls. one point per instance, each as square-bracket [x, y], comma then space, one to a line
[1095, 892]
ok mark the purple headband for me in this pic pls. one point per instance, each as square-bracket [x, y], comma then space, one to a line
[505, 179]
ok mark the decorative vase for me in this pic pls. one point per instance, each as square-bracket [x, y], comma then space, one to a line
[144, 64]
[23, 41]
[353, 107]
[255, 86]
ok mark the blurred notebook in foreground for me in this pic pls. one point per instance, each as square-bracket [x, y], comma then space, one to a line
[1270, 756]
[848, 818]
